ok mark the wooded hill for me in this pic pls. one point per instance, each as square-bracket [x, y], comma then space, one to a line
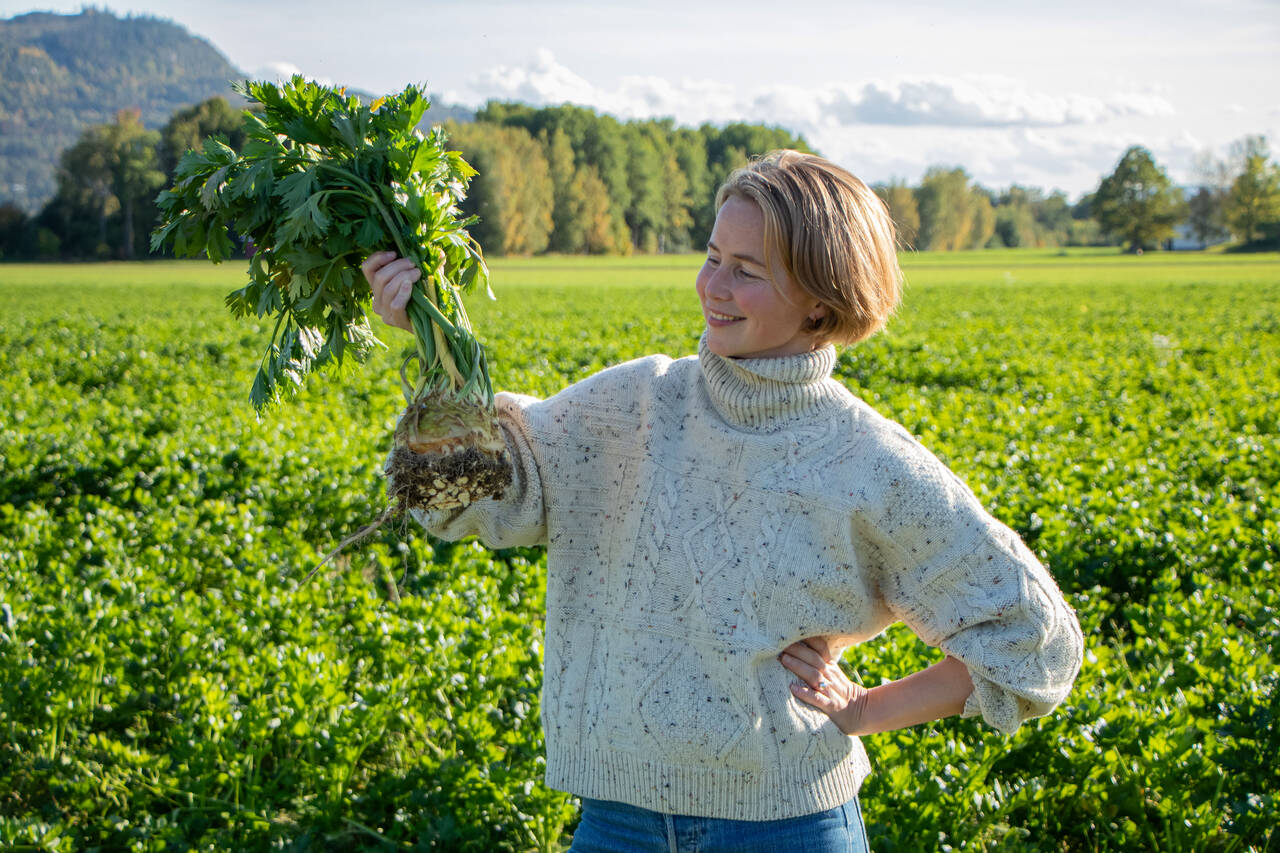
[61, 74]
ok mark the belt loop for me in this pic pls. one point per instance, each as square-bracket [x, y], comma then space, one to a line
[670, 822]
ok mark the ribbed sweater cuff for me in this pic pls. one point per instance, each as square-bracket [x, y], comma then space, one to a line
[705, 792]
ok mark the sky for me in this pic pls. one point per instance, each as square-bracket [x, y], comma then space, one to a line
[1040, 94]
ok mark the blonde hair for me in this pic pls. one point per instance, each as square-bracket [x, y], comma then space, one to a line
[831, 233]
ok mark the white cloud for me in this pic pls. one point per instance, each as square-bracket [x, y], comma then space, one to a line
[280, 71]
[542, 81]
[997, 128]
[985, 102]
[277, 71]
[974, 101]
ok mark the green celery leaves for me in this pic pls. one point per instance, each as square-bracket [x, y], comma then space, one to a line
[323, 182]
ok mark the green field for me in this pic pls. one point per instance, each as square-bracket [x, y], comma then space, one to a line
[167, 682]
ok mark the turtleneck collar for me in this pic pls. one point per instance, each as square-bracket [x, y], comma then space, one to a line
[769, 394]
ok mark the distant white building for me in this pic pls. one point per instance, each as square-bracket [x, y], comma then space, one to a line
[1184, 239]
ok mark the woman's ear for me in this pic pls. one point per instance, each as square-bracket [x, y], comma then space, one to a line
[815, 316]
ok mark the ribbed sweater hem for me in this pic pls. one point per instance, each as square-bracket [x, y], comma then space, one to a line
[775, 794]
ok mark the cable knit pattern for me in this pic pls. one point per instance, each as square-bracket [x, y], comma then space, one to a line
[702, 514]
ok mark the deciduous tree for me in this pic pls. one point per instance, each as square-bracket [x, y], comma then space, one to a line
[17, 232]
[1253, 203]
[113, 169]
[597, 231]
[645, 173]
[1137, 203]
[691, 155]
[513, 193]
[1206, 209]
[1205, 214]
[953, 215]
[188, 128]
[901, 202]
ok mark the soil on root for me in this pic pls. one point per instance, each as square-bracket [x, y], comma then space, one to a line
[445, 481]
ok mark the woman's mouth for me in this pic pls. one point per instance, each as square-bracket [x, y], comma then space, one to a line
[715, 318]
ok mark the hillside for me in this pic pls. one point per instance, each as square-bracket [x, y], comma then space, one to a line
[62, 73]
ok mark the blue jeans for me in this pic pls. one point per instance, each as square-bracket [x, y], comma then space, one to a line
[609, 827]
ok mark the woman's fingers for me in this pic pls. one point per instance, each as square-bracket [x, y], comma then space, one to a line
[824, 702]
[823, 683]
[399, 287]
[809, 665]
[802, 651]
[375, 261]
[371, 267]
[812, 651]
[391, 281]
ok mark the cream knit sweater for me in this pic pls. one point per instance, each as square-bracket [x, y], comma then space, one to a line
[702, 514]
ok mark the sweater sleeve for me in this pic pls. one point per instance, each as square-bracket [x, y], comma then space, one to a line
[966, 583]
[519, 516]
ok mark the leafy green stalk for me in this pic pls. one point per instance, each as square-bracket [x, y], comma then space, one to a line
[323, 182]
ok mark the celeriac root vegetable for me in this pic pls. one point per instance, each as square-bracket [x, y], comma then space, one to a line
[445, 457]
[323, 182]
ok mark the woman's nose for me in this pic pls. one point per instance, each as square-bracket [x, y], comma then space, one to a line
[717, 285]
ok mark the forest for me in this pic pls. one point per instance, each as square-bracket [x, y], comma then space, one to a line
[567, 179]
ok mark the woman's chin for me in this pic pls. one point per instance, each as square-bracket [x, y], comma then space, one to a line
[720, 343]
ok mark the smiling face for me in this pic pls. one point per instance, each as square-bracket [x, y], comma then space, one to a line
[751, 311]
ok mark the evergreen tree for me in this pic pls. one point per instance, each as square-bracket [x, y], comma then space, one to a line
[691, 156]
[645, 173]
[565, 232]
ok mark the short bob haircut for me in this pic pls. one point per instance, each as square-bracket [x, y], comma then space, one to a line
[832, 235]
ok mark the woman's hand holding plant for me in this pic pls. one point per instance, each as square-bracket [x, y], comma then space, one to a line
[391, 279]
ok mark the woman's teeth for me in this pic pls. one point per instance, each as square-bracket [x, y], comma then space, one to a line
[718, 316]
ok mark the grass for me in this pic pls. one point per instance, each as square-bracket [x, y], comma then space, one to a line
[166, 680]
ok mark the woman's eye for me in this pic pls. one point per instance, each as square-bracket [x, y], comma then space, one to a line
[712, 261]
[747, 274]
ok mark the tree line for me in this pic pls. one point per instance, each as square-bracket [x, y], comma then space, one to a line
[567, 179]
[1136, 206]
[104, 206]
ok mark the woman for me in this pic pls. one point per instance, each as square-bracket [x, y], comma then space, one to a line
[720, 528]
